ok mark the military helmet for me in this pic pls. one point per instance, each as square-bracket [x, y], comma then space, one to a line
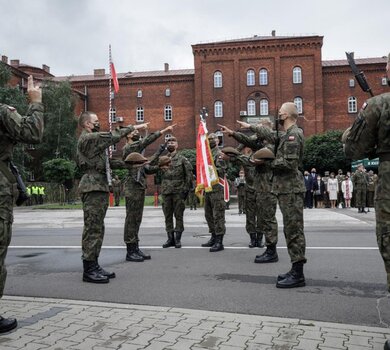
[164, 161]
[135, 158]
[345, 135]
[230, 151]
[263, 153]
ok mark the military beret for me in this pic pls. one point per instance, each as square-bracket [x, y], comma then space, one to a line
[171, 138]
[230, 151]
[164, 160]
[135, 158]
[345, 135]
[263, 153]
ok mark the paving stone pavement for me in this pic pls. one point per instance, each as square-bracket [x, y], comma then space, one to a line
[57, 324]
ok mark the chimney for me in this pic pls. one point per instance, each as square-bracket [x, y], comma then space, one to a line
[166, 67]
[15, 63]
[99, 72]
[46, 68]
[273, 33]
[4, 59]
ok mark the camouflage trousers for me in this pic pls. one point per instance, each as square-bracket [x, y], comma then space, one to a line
[241, 203]
[117, 197]
[134, 211]
[192, 200]
[382, 212]
[252, 222]
[214, 210]
[173, 206]
[6, 219]
[266, 210]
[291, 206]
[95, 206]
[360, 198]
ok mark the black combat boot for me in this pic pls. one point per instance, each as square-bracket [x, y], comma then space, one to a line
[104, 272]
[218, 244]
[132, 254]
[170, 241]
[294, 278]
[91, 273]
[269, 256]
[178, 239]
[260, 240]
[141, 253]
[253, 241]
[387, 345]
[210, 242]
[7, 324]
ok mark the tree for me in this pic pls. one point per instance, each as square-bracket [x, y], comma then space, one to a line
[325, 152]
[59, 170]
[190, 154]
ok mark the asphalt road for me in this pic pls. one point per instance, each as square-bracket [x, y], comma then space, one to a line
[345, 274]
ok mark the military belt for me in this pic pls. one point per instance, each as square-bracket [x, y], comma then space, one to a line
[4, 168]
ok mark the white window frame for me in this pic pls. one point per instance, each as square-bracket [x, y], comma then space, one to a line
[351, 83]
[139, 93]
[264, 106]
[297, 75]
[167, 136]
[384, 81]
[139, 114]
[218, 79]
[250, 77]
[113, 114]
[113, 147]
[251, 107]
[168, 113]
[352, 104]
[221, 138]
[298, 101]
[167, 92]
[218, 109]
[263, 76]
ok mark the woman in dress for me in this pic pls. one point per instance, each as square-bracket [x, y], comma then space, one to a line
[347, 189]
[332, 190]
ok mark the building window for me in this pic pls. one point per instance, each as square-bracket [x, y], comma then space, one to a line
[251, 107]
[218, 109]
[113, 148]
[297, 75]
[30, 147]
[139, 93]
[140, 114]
[167, 92]
[113, 115]
[220, 138]
[167, 136]
[218, 79]
[351, 82]
[352, 104]
[31, 176]
[384, 81]
[168, 113]
[263, 77]
[299, 103]
[263, 106]
[250, 77]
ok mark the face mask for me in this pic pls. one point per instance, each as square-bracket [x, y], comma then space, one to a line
[96, 127]
[212, 143]
[171, 148]
[136, 137]
[280, 122]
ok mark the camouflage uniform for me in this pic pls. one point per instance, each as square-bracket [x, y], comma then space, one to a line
[93, 187]
[360, 188]
[240, 185]
[176, 182]
[13, 128]
[369, 137]
[117, 189]
[140, 145]
[371, 188]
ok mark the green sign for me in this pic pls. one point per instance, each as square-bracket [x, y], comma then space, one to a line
[367, 163]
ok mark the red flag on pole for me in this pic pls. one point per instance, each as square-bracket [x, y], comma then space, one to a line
[114, 77]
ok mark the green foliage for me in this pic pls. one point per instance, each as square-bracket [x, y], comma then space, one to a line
[190, 154]
[325, 152]
[122, 173]
[5, 74]
[59, 137]
[59, 170]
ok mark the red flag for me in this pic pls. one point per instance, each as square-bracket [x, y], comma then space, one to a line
[226, 191]
[114, 77]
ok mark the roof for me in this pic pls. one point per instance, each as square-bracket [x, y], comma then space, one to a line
[148, 74]
[358, 61]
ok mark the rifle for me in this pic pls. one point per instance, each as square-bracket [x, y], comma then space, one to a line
[23, 195]
[108, 171]
[359, 75]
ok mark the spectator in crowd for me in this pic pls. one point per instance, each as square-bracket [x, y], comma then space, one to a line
[309, 190]
[347, 189]
[319, 190]
[325, 178]
[332, 189]
[340, 177]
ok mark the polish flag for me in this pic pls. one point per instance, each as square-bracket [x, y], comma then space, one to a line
[114, 77]
[226, 191]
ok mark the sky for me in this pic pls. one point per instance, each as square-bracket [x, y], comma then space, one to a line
[73, 36]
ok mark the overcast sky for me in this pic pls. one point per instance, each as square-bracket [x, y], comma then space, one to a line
[72, 36]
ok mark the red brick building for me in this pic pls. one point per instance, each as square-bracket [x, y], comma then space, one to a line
[243, 79]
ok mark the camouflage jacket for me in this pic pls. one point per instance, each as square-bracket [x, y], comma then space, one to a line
[252, 141]
[116, 185]
[178, 177]
[15, 128]
[359, 180]
[220, 166]
[91, 157]
[140, 145]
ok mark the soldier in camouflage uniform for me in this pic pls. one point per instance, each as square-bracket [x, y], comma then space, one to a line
[93, 188]
[239, 183]
[176, 182]
[13, 129]
[214, 203]
[117, 189]
[360, 188]
[371, 188]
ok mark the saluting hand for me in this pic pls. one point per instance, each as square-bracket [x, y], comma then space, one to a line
[243, 125]
[168, 128]
[225, 129]
[34, 92]
[142, 126]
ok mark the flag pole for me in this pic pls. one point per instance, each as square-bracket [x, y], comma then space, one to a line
[109, 150]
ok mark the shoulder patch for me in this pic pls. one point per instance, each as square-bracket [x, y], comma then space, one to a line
[12, 109]
[365, 104]
[291, 138]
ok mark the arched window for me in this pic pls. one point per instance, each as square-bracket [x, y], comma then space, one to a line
[250, 77]
[140, 114]
[218, 109]
[251, 107]
[168, 113]
[297, 75]
[352, 104]
[263, 77]
[167, 137]
[263, 106]
[299, 103]
[218, 79]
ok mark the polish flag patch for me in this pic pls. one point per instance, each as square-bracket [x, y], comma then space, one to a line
[291, 138]
[365, 104]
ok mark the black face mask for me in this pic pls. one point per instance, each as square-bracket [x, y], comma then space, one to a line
[280, 121]
[212, 143]
[171, 148]
[96, 127]
[136, 137]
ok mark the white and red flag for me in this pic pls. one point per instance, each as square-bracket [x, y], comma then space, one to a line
[226, 191]
[206, 173]
[114, 77]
